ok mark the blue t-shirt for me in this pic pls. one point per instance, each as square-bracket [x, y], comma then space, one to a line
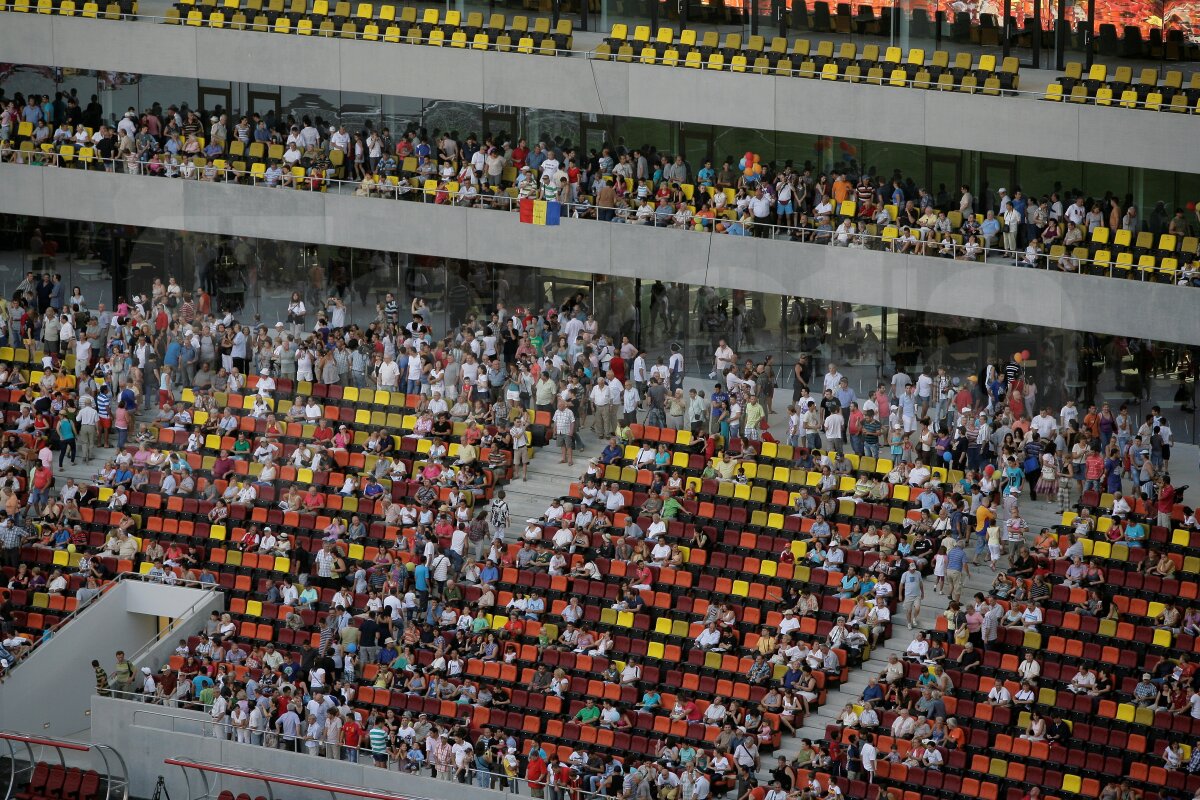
[421, 578]
[1015, 479]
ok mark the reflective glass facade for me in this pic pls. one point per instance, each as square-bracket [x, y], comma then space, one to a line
[867, 342]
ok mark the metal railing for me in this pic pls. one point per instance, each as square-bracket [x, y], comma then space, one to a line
[199, 723]
[384, 34]
[829, 236]
[537, 46]
[23, 762]
[105, 589]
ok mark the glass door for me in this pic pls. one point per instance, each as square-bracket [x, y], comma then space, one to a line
[695, 145]
[263, 101]
[215, 99]
[500, 120]
[943, 177]
[994, 174]
[594, 132]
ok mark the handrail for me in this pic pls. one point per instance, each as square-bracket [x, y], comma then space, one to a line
[863, 240]
[635, 58]
[270, 778]
[117, 787]
[63, 744]
[204, 723]
[175, 622]
[79, 609]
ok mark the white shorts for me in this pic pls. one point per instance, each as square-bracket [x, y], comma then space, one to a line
[994, 550]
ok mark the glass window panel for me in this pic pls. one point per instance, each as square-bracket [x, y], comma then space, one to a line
[560, 126]
[445, 116]
[1041, 176]
[1158, 197]
[401, 113]
[882, 157]
[359, 108]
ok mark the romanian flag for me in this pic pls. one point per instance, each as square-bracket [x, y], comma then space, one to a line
[540, 212]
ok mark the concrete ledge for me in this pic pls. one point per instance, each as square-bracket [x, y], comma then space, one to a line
[997, 125]
[1160, 312]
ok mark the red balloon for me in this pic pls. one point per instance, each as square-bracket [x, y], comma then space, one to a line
[1191, 206]
[1024, 355]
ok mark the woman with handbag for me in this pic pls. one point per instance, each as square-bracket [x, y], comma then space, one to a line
[296, 313]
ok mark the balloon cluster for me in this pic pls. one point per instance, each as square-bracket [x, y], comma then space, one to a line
[1021, 357]
[750, 165]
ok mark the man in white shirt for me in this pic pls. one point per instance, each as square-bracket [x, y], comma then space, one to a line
[630, 400]
[1067, 413]
[835, 425]
[1029, 669]
[999, 695]
[340, 140]
[388, 374]
[904, 725]
[708, 638]
[868, 756]
[715, 714]
[600, 422]
[832, 378]
[918, 648]
[1044, 424]
[723, 357]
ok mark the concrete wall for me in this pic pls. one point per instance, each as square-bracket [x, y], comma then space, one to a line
[126, 618]
[986, 124]
[988, 291]
[145, 737]
[50, 693]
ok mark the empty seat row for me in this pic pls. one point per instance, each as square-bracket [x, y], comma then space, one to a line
[433, 29]
[69, 8]
[1183, 102]
[893, 65]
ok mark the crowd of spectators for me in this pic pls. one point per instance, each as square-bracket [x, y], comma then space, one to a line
[848, 206]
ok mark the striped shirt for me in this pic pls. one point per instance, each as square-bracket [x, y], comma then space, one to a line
[956, 558]
[378, 738]
[103, 403]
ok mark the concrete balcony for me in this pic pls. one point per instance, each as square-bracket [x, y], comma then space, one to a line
[1157, 311]
[1011, 125]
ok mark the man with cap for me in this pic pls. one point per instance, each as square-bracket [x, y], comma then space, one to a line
[1146, 693]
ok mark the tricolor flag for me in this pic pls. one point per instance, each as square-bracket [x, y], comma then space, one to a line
[540, 212]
